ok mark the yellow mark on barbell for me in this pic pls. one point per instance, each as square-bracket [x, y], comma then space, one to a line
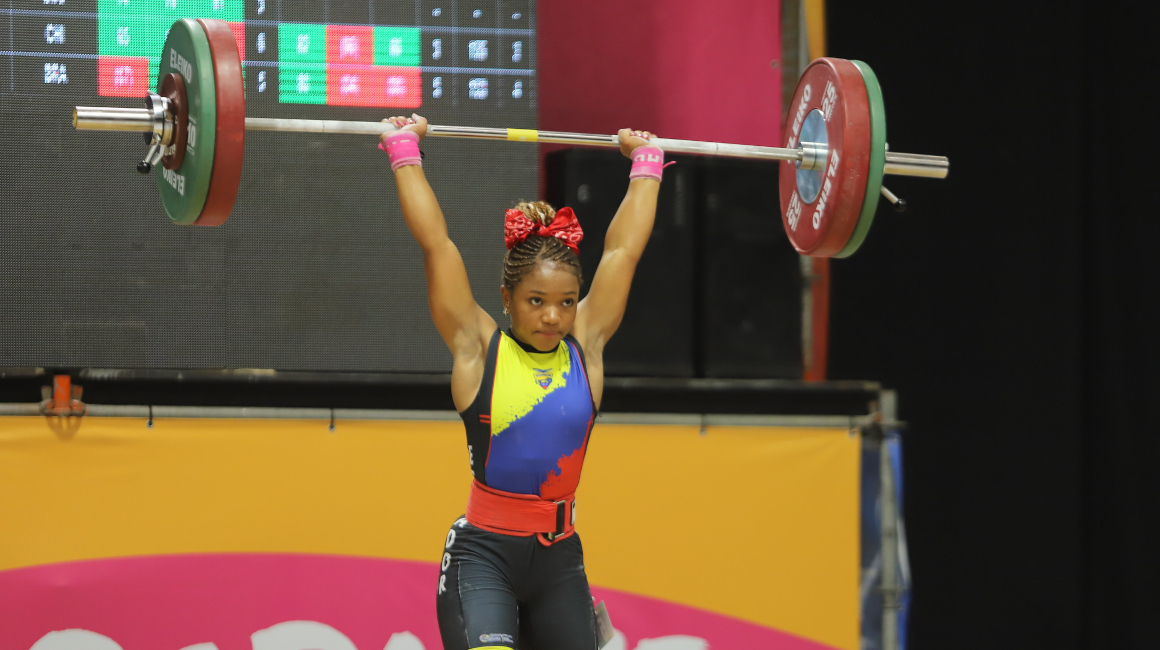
[523, 135]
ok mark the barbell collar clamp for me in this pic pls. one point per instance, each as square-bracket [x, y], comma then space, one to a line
[153, 156]
[898, 202]
[814, 156]
[161, 118]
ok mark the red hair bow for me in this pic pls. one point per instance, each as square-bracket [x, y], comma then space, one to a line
[565, 227]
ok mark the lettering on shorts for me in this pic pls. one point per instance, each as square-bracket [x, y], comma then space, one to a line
[446, 563]
[496, 638]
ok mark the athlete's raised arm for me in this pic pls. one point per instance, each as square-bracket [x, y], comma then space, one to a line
[602, 309]
[462, 323]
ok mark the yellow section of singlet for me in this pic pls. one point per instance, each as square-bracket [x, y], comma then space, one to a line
[523, 135]
[523, 380]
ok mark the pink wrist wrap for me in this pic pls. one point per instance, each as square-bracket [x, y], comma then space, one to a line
[403, 149]
[647, 162]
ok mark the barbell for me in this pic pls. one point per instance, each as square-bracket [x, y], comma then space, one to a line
[829, 178]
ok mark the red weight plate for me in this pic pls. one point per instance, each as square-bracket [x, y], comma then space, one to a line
[231, 123]
[823, 226]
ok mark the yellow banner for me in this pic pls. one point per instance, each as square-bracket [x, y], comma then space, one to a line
[755, 523]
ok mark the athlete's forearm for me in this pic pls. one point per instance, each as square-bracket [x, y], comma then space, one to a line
[633, 223]
[421, 209]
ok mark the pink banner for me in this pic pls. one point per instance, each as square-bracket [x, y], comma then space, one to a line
[295, 602]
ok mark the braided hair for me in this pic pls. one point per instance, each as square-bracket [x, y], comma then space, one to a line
[525, 256]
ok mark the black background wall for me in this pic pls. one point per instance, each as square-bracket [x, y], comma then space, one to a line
[1015, 307]
[720, 275]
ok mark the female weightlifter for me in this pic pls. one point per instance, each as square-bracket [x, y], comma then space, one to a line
[513, 568]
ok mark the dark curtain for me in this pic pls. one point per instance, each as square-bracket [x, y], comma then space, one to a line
[1121, 359]
[1015, 308]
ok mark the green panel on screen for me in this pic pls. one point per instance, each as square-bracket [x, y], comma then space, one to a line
[301, 43]
[397, 46]
[302, 83]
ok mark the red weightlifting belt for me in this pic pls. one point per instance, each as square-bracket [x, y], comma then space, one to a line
[520, 514]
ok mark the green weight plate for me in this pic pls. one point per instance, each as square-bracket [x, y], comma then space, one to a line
[877, 160]
[184, 189]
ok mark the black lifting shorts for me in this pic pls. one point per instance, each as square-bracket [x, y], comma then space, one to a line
[513, 592]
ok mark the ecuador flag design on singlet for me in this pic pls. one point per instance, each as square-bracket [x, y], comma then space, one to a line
[527, 430]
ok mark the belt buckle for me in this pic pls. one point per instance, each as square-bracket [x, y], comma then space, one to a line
[561, 506]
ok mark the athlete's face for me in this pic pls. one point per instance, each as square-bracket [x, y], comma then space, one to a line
[543, 305]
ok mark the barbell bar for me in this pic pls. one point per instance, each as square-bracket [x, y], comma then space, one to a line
[830, 173]
[96, 118]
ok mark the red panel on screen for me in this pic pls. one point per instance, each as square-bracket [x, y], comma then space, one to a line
[123, 76]
[348, 44]
[239, 30]
[379, 86]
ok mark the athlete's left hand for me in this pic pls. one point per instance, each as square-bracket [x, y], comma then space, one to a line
[631, 139]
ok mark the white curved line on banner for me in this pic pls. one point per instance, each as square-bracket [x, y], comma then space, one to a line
[75, 640]
[301, 635]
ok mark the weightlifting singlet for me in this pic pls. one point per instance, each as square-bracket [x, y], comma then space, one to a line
[528, 428]
[527, 433]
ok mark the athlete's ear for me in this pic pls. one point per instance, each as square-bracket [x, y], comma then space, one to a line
[505, 297]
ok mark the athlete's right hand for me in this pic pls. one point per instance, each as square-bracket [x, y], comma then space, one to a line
[416, 123]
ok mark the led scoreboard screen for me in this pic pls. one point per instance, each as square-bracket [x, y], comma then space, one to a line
[315, 268]
[369, 53]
